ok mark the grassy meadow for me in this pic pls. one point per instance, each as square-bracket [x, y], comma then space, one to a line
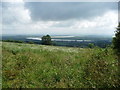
[42, 66]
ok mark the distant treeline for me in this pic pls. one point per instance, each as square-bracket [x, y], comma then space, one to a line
[18, 41]
[99, 43]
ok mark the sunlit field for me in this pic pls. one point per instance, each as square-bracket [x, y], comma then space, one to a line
[41, 66]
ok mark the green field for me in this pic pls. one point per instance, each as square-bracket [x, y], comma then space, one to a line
[40, 66]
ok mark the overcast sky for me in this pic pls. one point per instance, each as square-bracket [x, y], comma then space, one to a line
[61, 18]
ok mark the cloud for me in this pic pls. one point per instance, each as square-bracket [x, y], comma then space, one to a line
[68, 10]
[13, 12]
[59, 18]
[100, 25]
[104, 25]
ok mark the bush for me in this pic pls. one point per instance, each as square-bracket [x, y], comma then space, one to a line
[91, 45]
[101, 72]
[31, 42]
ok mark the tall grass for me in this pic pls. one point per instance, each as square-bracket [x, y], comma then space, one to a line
[39, 66]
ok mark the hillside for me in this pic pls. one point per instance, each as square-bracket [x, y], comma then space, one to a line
[40, 66]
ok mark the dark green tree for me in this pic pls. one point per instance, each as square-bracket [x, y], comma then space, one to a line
[91, 45]
[116, 40]
[46, 40]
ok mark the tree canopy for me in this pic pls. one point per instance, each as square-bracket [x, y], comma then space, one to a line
[46, 40]
[116, 40]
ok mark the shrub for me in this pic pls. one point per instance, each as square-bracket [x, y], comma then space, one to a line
[100, 72]
[91, 45]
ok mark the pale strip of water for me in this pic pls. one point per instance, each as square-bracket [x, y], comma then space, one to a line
[60, 39]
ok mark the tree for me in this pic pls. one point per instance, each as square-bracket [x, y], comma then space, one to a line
[91, 45]
[116, 40]
[46, 40]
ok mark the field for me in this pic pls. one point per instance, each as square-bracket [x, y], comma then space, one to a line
[40, 66]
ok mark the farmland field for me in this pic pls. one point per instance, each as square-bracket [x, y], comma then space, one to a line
[42, 66]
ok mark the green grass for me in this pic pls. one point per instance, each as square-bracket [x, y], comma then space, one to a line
[40, 66]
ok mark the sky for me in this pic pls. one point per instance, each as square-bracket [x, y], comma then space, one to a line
[59, 18]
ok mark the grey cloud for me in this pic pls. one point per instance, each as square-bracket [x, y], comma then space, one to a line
[0, 13]
[14, 13]
[67, 23]
[56, 11]
[7, 16]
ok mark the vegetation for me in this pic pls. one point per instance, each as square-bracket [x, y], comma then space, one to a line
[91, 45]
[116, 40]
[46, 40]
[41, 66]
[100, 41]
[16, 41]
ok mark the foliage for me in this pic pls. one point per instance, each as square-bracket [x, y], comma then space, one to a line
[41, 66]
[116, 40]
[46, 40]
[16, 41]
[31, 42]
[100, 71]
[91, 45]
